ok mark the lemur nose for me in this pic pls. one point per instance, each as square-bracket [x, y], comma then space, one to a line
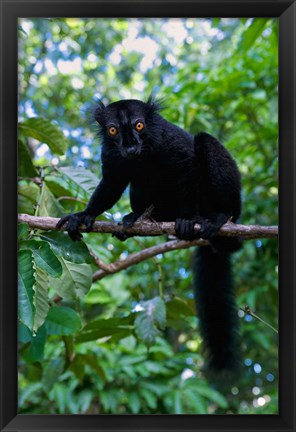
[131, 150]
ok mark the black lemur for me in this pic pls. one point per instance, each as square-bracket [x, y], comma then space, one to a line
[188, 179]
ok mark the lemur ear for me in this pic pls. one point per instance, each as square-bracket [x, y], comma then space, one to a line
[154, 105]
[99, 112]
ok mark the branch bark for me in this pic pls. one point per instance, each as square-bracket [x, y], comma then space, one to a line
[137, 257]
[148, 228]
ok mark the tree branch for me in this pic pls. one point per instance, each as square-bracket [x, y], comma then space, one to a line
[148, 228]
[137, 257]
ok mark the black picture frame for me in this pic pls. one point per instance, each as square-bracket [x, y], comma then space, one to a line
[285, 11]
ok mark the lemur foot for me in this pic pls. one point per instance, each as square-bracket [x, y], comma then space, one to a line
[74, 220]
[185, 229]
[127, 222]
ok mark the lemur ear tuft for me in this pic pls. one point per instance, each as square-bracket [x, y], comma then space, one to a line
[154, 105]
[99, 111]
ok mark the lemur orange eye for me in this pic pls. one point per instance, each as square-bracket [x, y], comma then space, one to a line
[139, 126]
[113, 131]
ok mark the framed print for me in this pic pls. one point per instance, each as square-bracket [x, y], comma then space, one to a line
[173, 124]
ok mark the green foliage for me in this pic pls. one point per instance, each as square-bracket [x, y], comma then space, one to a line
[248, 38]
[45, 132]
[152, 316]
[26, 166]
[63, 247]
[100, 328]
[82, 180]
[44, 258]
[40, 298]
[129, 343]
[62, 321]
[75, 280]
[25, 292]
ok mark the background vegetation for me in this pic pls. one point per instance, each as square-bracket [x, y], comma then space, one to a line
[89, 347]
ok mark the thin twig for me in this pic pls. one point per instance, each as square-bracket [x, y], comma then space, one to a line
[137, 257]
[98, 261]
[41, 184]
[160, 279]
[248, 311]
[69, 198]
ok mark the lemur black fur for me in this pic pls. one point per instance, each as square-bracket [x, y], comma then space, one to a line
[188, 179]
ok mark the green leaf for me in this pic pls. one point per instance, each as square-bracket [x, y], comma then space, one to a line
[75, 281]
[29, 191]
[23, 229]
[77, 366]
[134, 402]
[51, 373]
[28, 393]
[156, 387]
[34, 351]
[46, 132]
[100, 328]
[97, 295]
[197, 403]
[49, 205]
[40, 298]
[60, 187]
[117, 285]
[60, 395]
[29, 194]
[62, 321]
[44, 258]
[249, 36]
[85, 399]
[101, 323]
[121, 334]
[63, 246]
[261, 339]
[177, 402]
[178, 307]
[24, 334]
[27, 197]
[25, 164]
[147, 321]
[34, 372]
[211, 394]
[259, 95]
[26, 281]
[215, 22]
[93, 361]
[82, 179]
[149, 397]
[110, 399]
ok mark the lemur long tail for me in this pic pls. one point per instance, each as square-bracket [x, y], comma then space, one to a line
[217, 311]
